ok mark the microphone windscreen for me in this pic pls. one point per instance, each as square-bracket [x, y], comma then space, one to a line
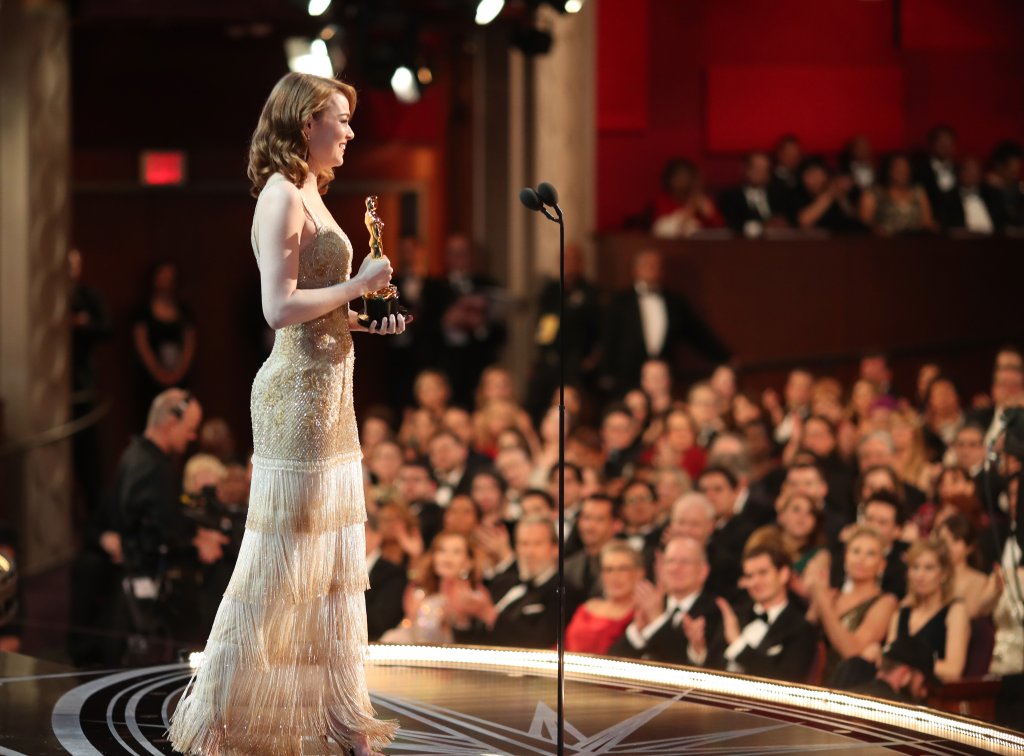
[547, 193]
[529, 198]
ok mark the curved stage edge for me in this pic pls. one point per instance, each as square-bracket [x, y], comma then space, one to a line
[466, 701]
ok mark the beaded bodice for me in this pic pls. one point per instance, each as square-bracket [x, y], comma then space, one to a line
[301, 403]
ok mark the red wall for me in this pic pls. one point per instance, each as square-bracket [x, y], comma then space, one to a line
[710, 79]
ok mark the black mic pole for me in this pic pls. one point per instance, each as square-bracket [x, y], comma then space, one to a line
[536, 200]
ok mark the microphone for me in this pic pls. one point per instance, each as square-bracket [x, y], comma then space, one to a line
[547, 194]
[533, 202]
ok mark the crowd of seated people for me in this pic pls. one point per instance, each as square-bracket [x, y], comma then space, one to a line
[927, 192]
[796, 535]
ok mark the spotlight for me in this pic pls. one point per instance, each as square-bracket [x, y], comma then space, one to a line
[404, 85]
[424, 75]
[308, 57]
[488, 10]
[317, 7]
[573, 6]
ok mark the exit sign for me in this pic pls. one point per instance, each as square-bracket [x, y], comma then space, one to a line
[163, 168]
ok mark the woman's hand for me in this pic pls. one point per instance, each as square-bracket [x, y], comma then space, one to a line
[375, 272]
[394, 324]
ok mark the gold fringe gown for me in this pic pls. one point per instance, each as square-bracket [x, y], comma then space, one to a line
[283, 668]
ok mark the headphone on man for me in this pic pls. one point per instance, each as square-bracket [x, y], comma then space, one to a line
[179, 409]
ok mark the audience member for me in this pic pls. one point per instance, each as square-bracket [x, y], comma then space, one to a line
[387, 585]
[973, 208]
[884, 514]
[599, 622]
[974, 588]
[856, 618]
[905, 674]
[1003, 180]
[682, 207]
[677, 620]
[769, 638]
[756, 204]
[599, 522]
[732, 529]
[648, 322]
[930, 612]
[896, 205]
[824, 201]
[857, 161]
[937, 172]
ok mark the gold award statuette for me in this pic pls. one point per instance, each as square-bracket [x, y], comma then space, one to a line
[381, 303]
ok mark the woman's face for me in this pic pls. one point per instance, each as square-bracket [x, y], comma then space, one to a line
[863, 394]
[496, 385]
[875, 481]
[460, 517]
[958, 550]
[723, 381]
[165, 279]
[865, 559]
[619, 576]
[899, 172]
[451, 556]
[637, 404]
[797, 518]
[487, 494]
[924, 576]
[815, 179]
[431, 392]
[744, 411]
[328, 132]
[955, 486]
[679, 432]
[902, 432]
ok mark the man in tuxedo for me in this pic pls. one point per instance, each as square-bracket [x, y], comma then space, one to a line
[771, 638]
[786, 172]
[573, 490]
[387, 585]
[620, 442]
[418, 489]
[757, 203]
[598, 523]
[733, 527]
[640, 517]
[831, 497]
[646, 322]
[449, 457]
[1007, 391]
[885, 514]
[520, 607]
[974, 208]
[937, 172]
[676, 621]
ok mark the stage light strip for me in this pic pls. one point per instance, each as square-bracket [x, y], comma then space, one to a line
[585, 668]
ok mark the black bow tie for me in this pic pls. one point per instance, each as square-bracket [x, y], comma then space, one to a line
[761, 616]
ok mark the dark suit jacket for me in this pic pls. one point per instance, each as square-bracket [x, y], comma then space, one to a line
[734, 207]
[384, 598]
[530, 621]
[583, 574]
[788, 649]
[669, 643]
[725, 552]
[625, 351]
[953, 212]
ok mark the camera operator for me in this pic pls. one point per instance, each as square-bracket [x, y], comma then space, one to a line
[155, 535]
[222, 507]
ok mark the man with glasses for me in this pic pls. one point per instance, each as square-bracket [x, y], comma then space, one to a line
[676, 621]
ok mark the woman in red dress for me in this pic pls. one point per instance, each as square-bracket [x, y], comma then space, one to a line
[599, 622]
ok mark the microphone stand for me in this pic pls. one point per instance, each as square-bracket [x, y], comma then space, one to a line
[536, 200]
[561, 481]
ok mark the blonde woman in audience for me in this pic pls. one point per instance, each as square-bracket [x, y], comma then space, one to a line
[911, 462]
[202, 471]
[931, 612]
[599, 622]
[857, 618]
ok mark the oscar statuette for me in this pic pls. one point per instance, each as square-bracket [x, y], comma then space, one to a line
[382, 303]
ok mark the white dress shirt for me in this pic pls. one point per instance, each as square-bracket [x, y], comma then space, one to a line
[653, 318]
[675, 608]
[976, 215]
[945, 174]
[752, 635]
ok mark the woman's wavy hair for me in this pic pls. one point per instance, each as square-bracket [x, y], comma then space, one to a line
[278, 143]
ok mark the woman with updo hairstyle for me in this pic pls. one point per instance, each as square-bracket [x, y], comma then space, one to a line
[972, 586]
[282, 671]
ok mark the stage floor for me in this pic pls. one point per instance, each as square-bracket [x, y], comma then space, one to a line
[462, 702]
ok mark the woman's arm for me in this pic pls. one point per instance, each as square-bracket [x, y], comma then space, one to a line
[871, 630]
[810, 213]
[927, 218]
[958, 633]
[279, 231]
[140, 338]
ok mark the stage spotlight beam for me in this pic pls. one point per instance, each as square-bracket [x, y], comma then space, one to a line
[318, 7]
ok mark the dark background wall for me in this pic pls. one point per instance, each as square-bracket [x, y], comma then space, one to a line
[711, 79]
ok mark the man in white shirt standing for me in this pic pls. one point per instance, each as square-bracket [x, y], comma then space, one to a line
[771, 638]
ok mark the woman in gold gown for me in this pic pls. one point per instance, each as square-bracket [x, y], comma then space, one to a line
[283, 668]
